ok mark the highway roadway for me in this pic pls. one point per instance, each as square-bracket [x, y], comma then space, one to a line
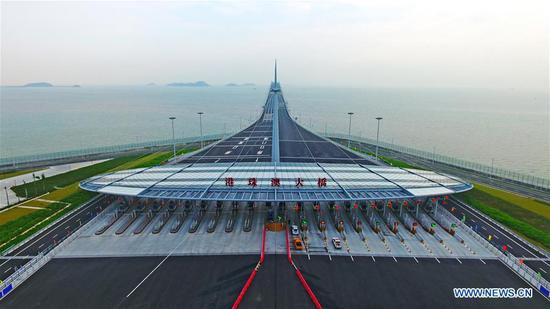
[500, 183]
[48, 238]
[215, 282]
[500, 237]
[275, 136]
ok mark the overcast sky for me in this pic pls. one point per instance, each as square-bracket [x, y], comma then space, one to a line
[488, 43]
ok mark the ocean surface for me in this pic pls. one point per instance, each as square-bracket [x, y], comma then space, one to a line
[509, 126]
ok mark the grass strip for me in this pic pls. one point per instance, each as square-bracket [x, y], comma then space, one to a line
[534, 227]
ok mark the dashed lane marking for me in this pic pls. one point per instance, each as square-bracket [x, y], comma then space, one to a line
[227, 152]
[437, 260]
[482, 261]
[544, 271]
[394, 259]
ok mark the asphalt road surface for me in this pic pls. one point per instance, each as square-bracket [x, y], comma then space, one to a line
[385, 283]
[180, 282]
[500, 237]
[258, 142]
[48, 238]
[215, 282]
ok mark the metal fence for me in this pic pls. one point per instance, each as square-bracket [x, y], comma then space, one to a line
[14, 161]
[539, 182]
[43, 257]
[511, 261]
[535, 181]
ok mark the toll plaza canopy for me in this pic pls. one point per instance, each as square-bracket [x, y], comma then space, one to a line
[275, 159]
[266, 181]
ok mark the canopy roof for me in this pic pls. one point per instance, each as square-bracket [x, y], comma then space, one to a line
[268, 181]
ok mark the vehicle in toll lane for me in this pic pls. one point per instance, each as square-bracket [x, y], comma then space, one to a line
[336, 243]
[298, 244]
[294, 230]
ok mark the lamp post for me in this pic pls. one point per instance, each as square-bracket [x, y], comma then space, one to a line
[200, 123]
[377, 136]
[7, 198]
[173, 135]
[349, 130]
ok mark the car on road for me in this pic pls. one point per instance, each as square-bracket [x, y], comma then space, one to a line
[298, 244]
[294, 230]
[336, 242]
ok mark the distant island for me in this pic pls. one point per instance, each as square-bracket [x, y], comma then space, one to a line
[75, 86]
[151, 84]
[41, 84]
[199, 83]
[240, 85]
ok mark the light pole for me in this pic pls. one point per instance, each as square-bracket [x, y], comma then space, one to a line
[173, 135]
[377, 135]
[492, 168]
[200, 123]
[7, 198]
[349, 130]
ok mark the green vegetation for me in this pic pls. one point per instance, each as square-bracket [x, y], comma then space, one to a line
[389, 161]
[21, 224]
[516, 212]
[43, 185]
[397, 163]
[18, 223]
[538, 207]
[17, 173]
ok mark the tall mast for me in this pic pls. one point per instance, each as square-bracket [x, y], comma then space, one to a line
[275, 72]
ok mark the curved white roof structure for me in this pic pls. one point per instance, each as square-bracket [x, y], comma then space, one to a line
[276, 159]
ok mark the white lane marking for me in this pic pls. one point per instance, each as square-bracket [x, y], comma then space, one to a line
[415, 259]
[261, 147]
[394, 259]
[265, 138]
[474, 221]
[154, 269]
[246, 138]
[257, 159]
[496, 236]
[241, 142]
[437, 260]
[57, 225]
[498, 228]
[227, 152]
[54, 236]
[482, 261]
[41, 246]
[459, 260]
[7, 270]
[235, 147]
[484, 228]
[543, 270]
[260, 152]
[372, 256]
[67, 227]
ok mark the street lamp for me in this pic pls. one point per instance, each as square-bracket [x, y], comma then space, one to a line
[377, 136]
[349, 130]
[173, 135]
[200, 123]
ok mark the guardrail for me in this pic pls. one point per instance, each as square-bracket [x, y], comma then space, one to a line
[14, 161]
[16, 246]
[43, 257]
[535, 181]
[509, 260]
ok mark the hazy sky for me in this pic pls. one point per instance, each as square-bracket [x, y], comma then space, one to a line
[479, 43]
